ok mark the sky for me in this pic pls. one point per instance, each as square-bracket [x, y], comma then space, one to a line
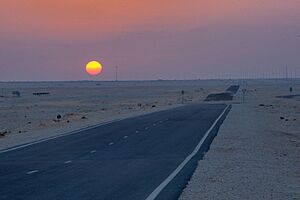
[148, 39]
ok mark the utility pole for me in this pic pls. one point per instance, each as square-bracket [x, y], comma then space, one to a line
[286, 72]
[116, 73]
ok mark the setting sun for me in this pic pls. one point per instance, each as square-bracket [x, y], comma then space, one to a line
[93, 68]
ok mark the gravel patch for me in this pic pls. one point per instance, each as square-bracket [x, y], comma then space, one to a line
[256, 153]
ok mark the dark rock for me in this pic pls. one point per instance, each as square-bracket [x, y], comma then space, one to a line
[261, 104]
[58, 117]
[281, 118]
[3, 133]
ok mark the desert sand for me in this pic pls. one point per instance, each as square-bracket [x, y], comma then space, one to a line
[256, 152]
[73, 105]
[254, 156]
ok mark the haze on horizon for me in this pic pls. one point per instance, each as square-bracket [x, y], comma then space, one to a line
[157, 39]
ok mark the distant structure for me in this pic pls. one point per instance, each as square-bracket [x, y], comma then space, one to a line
[16, 94]
[40, 93]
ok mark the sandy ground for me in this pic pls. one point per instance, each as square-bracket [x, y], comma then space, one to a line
[256, 154]
[81, 104]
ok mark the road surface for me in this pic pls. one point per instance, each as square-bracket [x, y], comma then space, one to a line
[127, 159]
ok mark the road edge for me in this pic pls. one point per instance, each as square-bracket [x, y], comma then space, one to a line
[83, 129]
[180, 167]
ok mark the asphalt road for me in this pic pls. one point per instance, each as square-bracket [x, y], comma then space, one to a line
[122, 160]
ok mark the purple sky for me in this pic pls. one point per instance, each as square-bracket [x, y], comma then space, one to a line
[158, 39]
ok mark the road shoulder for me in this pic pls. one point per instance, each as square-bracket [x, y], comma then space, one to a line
[254, 156]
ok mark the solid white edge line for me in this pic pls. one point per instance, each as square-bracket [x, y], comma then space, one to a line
[157, 191]
[79, 130]
[57, 136]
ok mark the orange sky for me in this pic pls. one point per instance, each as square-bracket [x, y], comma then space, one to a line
[77, 18]
[101, 18]
[29, 23]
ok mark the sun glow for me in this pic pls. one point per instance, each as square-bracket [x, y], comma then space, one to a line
[93, 68]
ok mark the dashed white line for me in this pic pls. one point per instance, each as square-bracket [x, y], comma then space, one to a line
[32, 172]
[68, 161]
[64, 134]
[125, 137]
[58, 136]
[110, 143]
[93, 151]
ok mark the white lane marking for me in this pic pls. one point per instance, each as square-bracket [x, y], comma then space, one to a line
[93, 151]
[125, 137]
[68, 161]
[32, 172]
[110, 143]
[156, 192]
[77, 131]
[58, 136]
